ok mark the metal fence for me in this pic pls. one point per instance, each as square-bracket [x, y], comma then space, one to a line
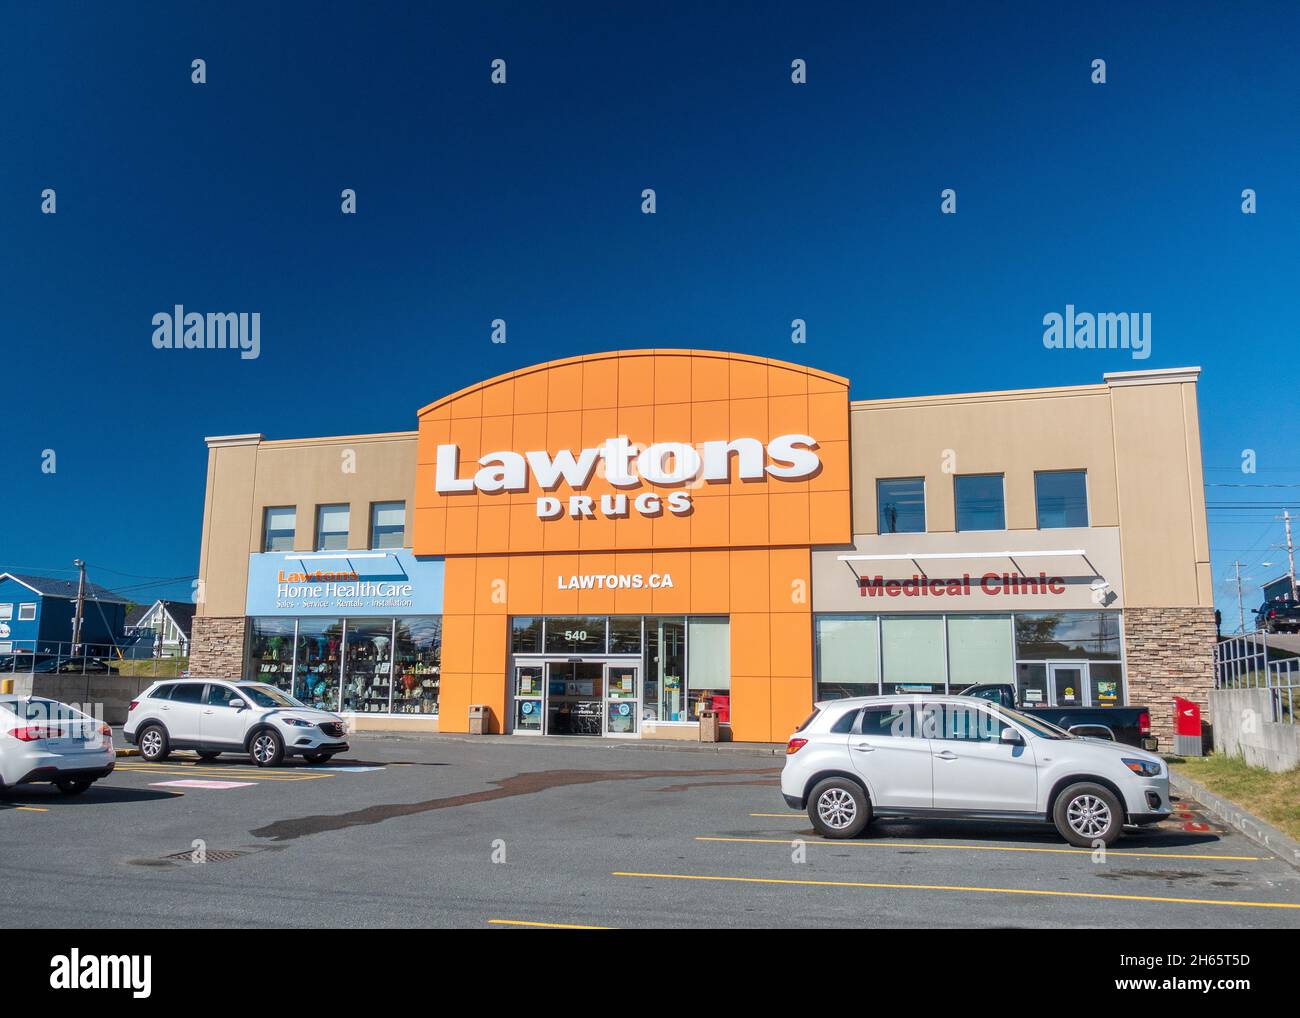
[44, 657]
[1247, 662]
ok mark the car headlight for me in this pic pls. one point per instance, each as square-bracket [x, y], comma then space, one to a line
[297, 722]
[1144, 767]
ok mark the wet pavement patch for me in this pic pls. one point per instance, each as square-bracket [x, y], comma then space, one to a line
[519, 784]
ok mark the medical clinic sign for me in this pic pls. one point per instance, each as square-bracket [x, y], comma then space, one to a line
[991, 584]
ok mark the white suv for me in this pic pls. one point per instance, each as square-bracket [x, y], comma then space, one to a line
[215, 717]
[961, 757]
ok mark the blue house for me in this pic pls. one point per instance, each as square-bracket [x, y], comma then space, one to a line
[36, 615]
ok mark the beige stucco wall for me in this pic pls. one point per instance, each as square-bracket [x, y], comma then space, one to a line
[1137, 435]
[247, 474]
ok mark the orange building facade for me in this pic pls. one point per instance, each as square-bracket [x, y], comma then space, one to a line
[689, 486]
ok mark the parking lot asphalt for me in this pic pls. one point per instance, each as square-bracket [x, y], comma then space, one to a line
[429, 831]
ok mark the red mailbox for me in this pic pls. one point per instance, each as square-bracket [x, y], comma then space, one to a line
[1187, 727]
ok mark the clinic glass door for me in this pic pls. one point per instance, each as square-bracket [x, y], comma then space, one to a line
[1068, 683]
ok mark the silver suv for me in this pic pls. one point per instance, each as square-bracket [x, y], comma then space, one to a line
[214, 717]
[961, 757]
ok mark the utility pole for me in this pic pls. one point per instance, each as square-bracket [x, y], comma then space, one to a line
[81, 604]
[1290, 551]
[1241, 610]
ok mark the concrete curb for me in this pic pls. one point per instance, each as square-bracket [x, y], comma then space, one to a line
[1284, 847]
[561, 742]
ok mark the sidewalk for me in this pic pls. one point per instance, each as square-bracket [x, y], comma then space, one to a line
[589, 742]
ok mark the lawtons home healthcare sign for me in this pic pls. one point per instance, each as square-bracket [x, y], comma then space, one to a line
[636, 450]
[345, 583]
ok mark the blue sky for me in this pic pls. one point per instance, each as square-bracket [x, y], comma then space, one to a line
[522, 202]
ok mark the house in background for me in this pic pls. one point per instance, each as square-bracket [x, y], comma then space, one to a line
[167, 622]
[36, 614]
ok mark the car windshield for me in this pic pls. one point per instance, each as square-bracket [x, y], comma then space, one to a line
[1040, 728]
[269, 696]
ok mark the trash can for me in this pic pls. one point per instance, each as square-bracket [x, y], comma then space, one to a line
[478, 718]
[710, 726]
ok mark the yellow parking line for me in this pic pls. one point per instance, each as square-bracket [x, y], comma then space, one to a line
[972, 890]
[32, 809]
[549, 926]
[991, 848]
[791, 816]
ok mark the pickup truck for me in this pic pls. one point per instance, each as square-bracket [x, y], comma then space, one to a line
[1280, 616]
[1129, 725]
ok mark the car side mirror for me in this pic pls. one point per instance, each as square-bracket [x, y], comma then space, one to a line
[1012, 737]
[238, 704]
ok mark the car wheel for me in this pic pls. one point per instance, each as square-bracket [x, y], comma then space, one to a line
[1086, 814]
[317, 758]
[208, 754]
[267, 748]
[74, 787]
[839, 808]
[154, 744]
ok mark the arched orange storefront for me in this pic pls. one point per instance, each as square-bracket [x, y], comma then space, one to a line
[719, 470]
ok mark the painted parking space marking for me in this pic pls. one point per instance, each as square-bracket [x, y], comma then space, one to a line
[345, 769]
[230, 772]
[547, 926]
[197, 783]
[1095, 895]
[25, 809]
[990, 848]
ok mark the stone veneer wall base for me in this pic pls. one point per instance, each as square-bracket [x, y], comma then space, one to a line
[1169, 652]
[217, 647]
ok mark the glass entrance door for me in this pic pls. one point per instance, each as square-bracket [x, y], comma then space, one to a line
[1068, 682]
[528, 699]
[575, 698]
[622, 700]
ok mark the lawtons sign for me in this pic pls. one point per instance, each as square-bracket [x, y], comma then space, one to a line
[624, 464]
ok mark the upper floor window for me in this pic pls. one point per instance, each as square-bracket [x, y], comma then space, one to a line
[388, 525]
[332, 527]
[900, 504]
[278, 528]
[981, 504]
[1062, 497]
[6, 612]
[27, 613]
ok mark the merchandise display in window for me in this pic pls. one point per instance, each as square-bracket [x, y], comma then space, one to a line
[317, 667]
[367, 666]
[416, 665]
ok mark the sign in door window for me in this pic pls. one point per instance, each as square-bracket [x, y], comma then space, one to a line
[1067, 684]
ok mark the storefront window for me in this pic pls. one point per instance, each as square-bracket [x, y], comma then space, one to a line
[575, 635]
[1032, 683]
[320, 653]
[367, 665]
[1106, 682]
[417, 665]
[1055, 635]
[979, 650]
[625, 635]
[848, 656]
[664, 692]
[912, 648]
[708, 667]
[270, 652]
[525, 635]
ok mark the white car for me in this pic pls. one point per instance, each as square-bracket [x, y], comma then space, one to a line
[216, 716]
[943, 757]
[45, 741]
